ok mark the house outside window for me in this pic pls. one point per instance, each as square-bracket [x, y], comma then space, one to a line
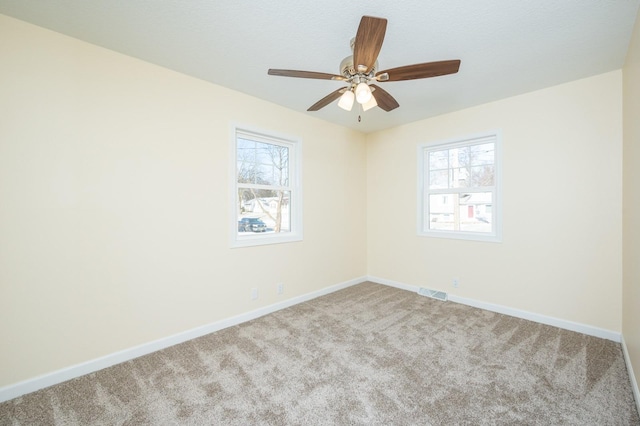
[267, 196]
[459, 188]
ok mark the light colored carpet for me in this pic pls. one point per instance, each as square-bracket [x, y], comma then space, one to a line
[369, 354]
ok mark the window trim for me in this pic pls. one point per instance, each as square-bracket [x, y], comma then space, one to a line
[295, 179]
[496, 235]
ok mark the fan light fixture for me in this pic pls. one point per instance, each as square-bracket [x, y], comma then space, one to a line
[370, 104]
[359, 72]
[363, 93]
[346, 100]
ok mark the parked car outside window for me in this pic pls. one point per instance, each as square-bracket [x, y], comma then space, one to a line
[251, 224]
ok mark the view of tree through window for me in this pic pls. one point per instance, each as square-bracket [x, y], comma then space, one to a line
[263, 184]
[459, 189]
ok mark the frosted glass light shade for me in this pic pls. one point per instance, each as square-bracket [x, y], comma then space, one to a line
[368, 105]
[346, 100]
[363, 93]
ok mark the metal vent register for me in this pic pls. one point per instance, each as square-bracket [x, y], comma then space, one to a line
[434, 294]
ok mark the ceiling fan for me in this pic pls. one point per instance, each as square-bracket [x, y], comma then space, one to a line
[360, 70]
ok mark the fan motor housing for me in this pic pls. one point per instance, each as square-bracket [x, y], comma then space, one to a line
[348, 69]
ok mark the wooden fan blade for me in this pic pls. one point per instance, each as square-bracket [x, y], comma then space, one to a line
[327, 100]
[368, 42]
[384, 99]
[426, 70]
[305, 74]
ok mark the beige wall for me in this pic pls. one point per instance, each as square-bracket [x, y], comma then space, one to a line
[631, 209]
[114, 217]
[562, 197]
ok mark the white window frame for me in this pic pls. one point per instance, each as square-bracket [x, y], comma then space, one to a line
[295, 188]
[494, 136]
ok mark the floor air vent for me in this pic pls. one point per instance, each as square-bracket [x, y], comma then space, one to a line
[440, 295]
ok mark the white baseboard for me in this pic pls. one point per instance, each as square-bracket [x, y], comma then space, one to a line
[632, 376]
[543, 319]
[62, 375]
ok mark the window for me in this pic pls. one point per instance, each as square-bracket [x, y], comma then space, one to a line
[459, 188]
[267, 197]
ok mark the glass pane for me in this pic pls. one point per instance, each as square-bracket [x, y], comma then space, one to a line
[279, 215]
[439, 160]
[469, 212]
[475, 212]
[246, 150]
[246, 201]
[460, 177]
[262, 163]
[246, 172]
[482, 154]
[269, 174]
[279, 156]
[284, 176]
[459, 157]
[265, 175]
[263, 211]
[438, 179]
[441, 209]
[262, 152]
[246, 157]
[482, 176]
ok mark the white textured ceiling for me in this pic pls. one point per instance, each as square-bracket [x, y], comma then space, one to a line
[507, 47]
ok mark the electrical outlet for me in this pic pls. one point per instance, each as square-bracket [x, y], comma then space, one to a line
[254, 293]
[456, 282]
[280, 288]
